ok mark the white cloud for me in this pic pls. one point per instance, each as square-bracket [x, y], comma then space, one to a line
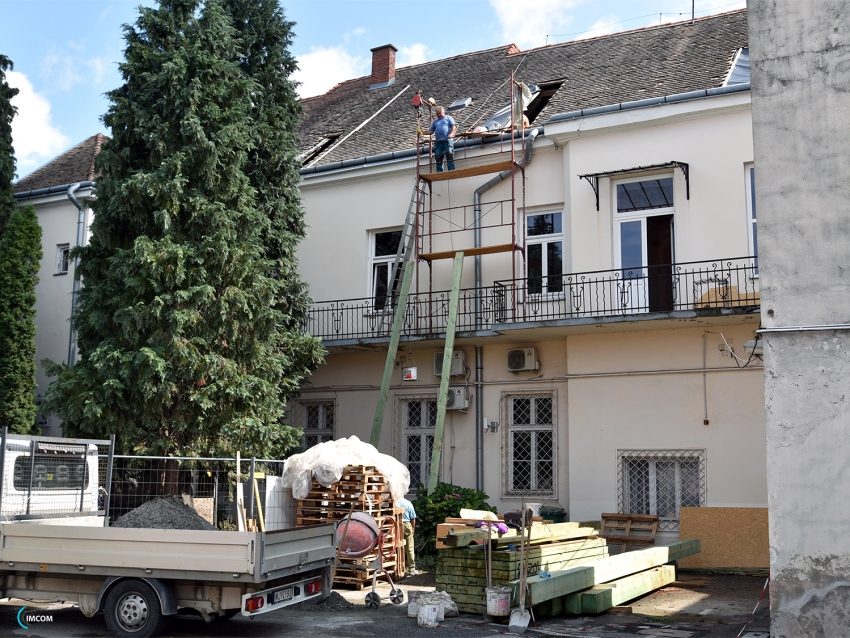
[354, 33]
[528, 29]
[97, 66]
[323, 68]
[34, 136]
[414, 54]
[603, 26]
[60, 71]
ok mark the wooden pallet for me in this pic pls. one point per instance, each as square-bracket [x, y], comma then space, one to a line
[629, 529]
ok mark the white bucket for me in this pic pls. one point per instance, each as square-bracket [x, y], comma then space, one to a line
[413, 596]
[498, 601]
[535, 508]
[429, 612]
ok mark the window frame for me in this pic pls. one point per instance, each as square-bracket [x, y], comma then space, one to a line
[752, 214]
[508, 490]
[63, 258]
[544, 240]
[653, 456]
[322, 433]
[375, 260]
[403, 431]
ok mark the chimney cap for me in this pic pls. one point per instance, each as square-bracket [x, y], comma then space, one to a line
[384, 46]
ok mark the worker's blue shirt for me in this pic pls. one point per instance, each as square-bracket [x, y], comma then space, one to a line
[442, 126]
[409, 513]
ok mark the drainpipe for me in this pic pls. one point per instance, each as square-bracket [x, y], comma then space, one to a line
[479, 350]
[81, 227]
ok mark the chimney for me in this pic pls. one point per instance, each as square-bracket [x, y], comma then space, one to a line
[383, 66]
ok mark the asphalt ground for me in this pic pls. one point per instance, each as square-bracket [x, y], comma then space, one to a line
[717, 609]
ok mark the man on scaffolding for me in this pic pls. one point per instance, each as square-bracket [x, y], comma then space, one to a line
[443, 129]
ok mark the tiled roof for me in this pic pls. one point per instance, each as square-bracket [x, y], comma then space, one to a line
[74, 165]
[626, 66]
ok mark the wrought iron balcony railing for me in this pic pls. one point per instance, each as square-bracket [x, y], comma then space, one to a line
[704, 285]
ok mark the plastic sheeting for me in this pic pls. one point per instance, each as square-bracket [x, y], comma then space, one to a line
[326, 461]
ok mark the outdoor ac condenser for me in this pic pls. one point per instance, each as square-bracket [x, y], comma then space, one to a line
[522, 359]
[457, 399]
[458, 364]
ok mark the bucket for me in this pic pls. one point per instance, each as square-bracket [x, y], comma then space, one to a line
[429, 612]
[498, 601]
[554, 514]
[535, 508]
[413, 596]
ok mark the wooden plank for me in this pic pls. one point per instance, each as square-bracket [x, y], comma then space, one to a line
[729, 536]
[602, 597]
[469, 171]
[469, 252]
[545, 536]
[462, 539]
[568, 581]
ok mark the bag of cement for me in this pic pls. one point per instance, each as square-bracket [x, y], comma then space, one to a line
[478, 515]
[449, 606]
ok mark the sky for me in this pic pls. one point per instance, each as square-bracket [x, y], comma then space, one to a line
[66, 52]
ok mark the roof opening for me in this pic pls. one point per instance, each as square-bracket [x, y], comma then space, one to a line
[313, 152]
[539, 102]
[740, 71]
[459, 105]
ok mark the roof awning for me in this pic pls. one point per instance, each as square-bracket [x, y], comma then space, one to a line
[593, 178]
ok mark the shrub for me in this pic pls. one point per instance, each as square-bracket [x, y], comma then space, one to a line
[446, 502]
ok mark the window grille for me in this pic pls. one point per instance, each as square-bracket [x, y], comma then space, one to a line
[317, 419]
[417, 418]
[530, 444]
[660, 482]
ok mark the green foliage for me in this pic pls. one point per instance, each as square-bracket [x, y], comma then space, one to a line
[188, 326]
[20, 257]
[446, 502]
[7, 155]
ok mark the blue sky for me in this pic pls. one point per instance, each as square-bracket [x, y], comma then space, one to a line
[65, 51]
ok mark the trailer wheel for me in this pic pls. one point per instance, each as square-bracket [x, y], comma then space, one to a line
[132, 609]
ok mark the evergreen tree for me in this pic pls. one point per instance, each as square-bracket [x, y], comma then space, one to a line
[20, 257]
[7, 155]
[272, 168]
[179, 321]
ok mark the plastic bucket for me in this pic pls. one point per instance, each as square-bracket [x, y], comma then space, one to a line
[413, 596]
[498, 601]
[429, 612]
[535, 508]
[554, 514]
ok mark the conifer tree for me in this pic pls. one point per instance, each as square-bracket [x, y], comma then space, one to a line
[7, 154]
[20, 258]
[179, 321]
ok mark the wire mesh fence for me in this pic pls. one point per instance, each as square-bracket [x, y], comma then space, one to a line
[47, 476]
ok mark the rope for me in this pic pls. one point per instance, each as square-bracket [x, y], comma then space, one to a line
[750, 619]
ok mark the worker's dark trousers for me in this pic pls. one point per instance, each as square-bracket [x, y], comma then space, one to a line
[445, 148]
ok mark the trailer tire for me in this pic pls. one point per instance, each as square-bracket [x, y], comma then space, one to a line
[132, 609]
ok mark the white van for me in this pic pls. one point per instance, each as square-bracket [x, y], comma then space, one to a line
[60, 478]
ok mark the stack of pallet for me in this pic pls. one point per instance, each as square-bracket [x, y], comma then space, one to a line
[364, 488]
[461, 569]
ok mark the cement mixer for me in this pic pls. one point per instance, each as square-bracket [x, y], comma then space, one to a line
[357, 536]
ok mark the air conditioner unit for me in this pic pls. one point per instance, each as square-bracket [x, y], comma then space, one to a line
[458, 364]
[457, 399]
[523, 359]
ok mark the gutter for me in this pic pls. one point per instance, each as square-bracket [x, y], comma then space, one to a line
[81, 226]
[40, 192]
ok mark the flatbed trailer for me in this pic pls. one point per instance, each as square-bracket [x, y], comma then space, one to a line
[139, 577]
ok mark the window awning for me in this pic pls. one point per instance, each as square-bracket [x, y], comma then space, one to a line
[593, 178]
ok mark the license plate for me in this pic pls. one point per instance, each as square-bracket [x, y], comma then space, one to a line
[282, 594]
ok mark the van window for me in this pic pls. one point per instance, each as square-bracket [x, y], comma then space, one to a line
[52, 472]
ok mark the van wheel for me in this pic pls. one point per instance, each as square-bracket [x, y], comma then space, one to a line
[132, 609]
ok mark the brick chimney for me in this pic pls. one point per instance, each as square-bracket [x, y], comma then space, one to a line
[383, 66]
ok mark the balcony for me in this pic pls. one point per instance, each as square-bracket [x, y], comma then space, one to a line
[683, 290]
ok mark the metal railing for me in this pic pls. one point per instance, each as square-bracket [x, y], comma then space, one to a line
[699, 285]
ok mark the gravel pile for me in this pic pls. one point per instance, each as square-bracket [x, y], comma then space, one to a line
[164, 512]
[334, 602]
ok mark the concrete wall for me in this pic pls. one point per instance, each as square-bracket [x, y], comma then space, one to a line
[800, 52]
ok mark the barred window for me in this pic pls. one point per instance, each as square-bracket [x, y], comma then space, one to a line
[660, 482]
[317, 418]
[530, 443]
[418, 419]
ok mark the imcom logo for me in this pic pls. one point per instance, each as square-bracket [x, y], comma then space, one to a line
[25, 617]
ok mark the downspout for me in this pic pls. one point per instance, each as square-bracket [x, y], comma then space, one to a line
[479, 350]
[81, 227]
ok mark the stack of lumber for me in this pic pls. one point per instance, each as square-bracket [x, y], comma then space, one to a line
[461, 570]
[364, 488]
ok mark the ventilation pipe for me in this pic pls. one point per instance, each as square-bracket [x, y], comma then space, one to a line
[479, 350]
[81, 229]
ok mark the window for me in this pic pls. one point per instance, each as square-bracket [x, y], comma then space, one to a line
[51, 472]
[63, 252]
[317, 419]
[418, 422]
[750, 179]
[384, 248]
[645, 195]
[545, 253]
[660, 482]
[530, 444]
